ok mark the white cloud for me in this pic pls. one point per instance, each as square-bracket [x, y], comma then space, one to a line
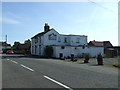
[14, 15]
[9, 20]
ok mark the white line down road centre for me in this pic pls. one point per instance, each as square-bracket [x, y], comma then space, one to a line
[26, 67]
[14, 62]
[58, 83]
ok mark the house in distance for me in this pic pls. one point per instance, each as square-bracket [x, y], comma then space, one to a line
[63, 45]
[4, 46]
[105, 44]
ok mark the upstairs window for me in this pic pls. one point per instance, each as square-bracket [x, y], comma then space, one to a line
[52, 36]
[78, 40]
[36, 40]
[59, 40]
[40, 39]
[65, 40]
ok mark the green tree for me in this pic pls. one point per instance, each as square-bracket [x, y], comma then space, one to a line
[16, 46]
[49, 51]
[27, 46]
[27, 41]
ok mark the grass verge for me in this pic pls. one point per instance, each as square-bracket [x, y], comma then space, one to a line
[117, 64]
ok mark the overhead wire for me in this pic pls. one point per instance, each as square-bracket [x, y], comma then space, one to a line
[101, 6]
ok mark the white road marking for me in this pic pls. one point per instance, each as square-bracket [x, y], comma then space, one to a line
[26, 67]
[8, 59]
[58, 83]
[14, 62]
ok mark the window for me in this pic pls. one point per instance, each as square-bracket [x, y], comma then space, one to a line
[83, 46]
[39, 39]
[52, 36]
[77, 40]
[32, 49]
[75, 48]
[59, 40]
[62, 47]
[65, 40]
[36, 39]
[39, 49]
[35, 49]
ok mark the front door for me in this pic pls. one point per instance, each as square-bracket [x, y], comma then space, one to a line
[60, 55]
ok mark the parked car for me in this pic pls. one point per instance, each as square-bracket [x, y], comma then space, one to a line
[1, 51]
[10, 52]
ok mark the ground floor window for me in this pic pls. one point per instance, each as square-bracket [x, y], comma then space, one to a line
[35, 49]
[39, 49]
[32, 49]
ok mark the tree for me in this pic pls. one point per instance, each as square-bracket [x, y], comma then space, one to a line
[22, 48]
[16, 46]
[27, 41]
[27, 46]
[49, 51]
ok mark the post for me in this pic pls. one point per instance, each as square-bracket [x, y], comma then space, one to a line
[6, 43]
[6, 38]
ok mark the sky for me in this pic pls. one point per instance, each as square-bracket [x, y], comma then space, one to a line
[23, 20]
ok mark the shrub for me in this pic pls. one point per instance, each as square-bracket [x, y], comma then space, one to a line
[75, 60]
[86, 58]
[100, 59]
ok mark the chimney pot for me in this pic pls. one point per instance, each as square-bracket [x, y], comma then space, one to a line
[46, 27]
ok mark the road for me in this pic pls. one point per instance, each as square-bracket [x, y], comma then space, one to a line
[29, 72]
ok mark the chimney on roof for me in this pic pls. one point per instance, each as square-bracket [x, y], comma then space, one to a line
[46, 27]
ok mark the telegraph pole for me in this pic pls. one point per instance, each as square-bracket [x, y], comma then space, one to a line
[6, 43]
[6, 38]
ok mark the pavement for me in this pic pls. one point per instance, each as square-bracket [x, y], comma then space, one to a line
[19, 71]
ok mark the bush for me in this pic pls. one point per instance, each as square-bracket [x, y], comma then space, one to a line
[86, 58]
[62, 58]
[100, 59]
[75, 60]
[49, 51]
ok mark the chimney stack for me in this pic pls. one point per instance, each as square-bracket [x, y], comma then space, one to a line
[46, 27]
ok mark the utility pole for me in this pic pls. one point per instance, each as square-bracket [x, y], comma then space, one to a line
[6, 38]
[6, 43]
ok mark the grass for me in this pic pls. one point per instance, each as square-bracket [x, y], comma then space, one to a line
[117, 64]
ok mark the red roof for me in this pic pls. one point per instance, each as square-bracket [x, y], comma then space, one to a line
[4, 44]
[100, 43]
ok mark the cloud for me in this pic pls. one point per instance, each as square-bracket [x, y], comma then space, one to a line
[14, 15]
[9, 20]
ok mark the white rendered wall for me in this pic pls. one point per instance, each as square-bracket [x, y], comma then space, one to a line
[70, 45]
[67, 51]
[82, 40]
[71, 39]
